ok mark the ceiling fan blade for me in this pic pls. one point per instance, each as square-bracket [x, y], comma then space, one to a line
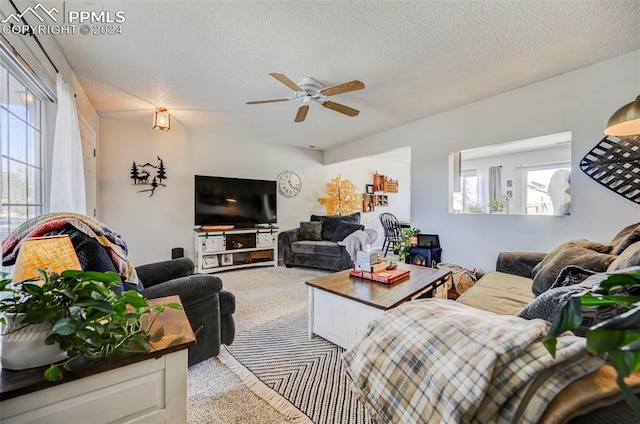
[302, 113]
[340, 108]
[345, 87]
[257, 102]
[286, 81]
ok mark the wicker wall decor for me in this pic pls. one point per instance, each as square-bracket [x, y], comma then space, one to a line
[615, 163]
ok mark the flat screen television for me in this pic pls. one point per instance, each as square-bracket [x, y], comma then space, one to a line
[239, 202]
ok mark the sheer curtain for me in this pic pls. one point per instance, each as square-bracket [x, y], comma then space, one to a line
[67, 168]
[483, 186]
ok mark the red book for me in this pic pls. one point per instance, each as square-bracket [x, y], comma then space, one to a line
[382, 275]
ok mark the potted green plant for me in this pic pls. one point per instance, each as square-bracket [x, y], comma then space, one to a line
[476, 208]
[412, 234]
[497, 205]
[618, 338]
[87, 318]
[407, 241]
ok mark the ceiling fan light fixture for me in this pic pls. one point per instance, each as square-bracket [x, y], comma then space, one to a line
[310, 91]
[161, 119]
[625, 121]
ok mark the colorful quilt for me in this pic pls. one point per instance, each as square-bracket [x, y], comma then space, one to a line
[35, 227]
[438, 361]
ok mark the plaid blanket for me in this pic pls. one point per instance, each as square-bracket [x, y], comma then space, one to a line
[431, 361]
[35, 227]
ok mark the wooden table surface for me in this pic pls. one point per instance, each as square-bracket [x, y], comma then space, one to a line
[380, 295]
[170, 332]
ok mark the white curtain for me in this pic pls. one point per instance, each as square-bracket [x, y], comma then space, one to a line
[67, 168]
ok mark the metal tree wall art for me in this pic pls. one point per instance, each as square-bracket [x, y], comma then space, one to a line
[342, 197]
[140, 175]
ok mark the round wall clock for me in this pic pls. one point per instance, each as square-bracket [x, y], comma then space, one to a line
[289, 183]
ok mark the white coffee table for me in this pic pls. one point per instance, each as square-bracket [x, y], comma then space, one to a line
[341, 306]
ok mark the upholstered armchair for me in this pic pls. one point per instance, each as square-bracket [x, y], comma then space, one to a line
[209, 308]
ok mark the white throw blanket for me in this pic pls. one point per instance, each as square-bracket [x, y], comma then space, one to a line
[354, 243]
[438, 361]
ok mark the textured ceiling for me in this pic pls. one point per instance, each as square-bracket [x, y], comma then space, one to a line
[203, 60]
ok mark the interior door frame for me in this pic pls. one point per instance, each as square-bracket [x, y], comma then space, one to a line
[87, 130]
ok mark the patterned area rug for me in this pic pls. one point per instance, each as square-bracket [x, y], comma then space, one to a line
[303, 379]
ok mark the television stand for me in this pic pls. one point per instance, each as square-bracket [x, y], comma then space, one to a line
[233, 248]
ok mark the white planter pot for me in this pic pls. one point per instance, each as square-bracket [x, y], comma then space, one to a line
[23, 346]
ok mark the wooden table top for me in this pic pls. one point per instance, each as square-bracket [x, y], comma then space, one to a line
[170, 333]
[380, 295]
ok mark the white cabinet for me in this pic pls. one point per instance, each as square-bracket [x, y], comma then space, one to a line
[235, 248]
[152, 391]
[136, 388]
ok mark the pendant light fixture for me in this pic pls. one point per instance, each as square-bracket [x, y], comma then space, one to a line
[625, 121]
[161, 119]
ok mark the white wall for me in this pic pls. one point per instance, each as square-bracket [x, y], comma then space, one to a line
[580, 101]
[151, 226]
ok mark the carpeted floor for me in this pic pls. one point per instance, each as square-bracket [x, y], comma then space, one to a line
[263, 294]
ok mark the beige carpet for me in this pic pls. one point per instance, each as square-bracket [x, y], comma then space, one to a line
[216, 395]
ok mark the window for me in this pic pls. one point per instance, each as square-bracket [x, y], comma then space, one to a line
[467, 201]
[470, 199]
[22, 146]
[548, 190]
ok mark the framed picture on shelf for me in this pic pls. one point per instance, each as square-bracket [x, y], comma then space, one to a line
[227, 259]
[210, 261]
[369, 188]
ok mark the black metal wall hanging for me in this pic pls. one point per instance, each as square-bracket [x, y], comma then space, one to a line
[615, 163]
[140, 175]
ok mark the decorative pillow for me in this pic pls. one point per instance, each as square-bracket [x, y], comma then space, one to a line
[330, 223]
[569, 254]
[571, 275]
[344, 229]
[625, 238]
[548, 304]
[311, 230]
[591, 245]
[629, 257]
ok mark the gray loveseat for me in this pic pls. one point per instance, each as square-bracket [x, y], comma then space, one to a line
[318, 249]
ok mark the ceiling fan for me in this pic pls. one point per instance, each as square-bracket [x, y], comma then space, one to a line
[309, 90]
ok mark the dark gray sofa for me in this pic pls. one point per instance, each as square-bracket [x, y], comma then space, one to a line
[324, 254]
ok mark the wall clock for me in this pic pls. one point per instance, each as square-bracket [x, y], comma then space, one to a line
[289, 183]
